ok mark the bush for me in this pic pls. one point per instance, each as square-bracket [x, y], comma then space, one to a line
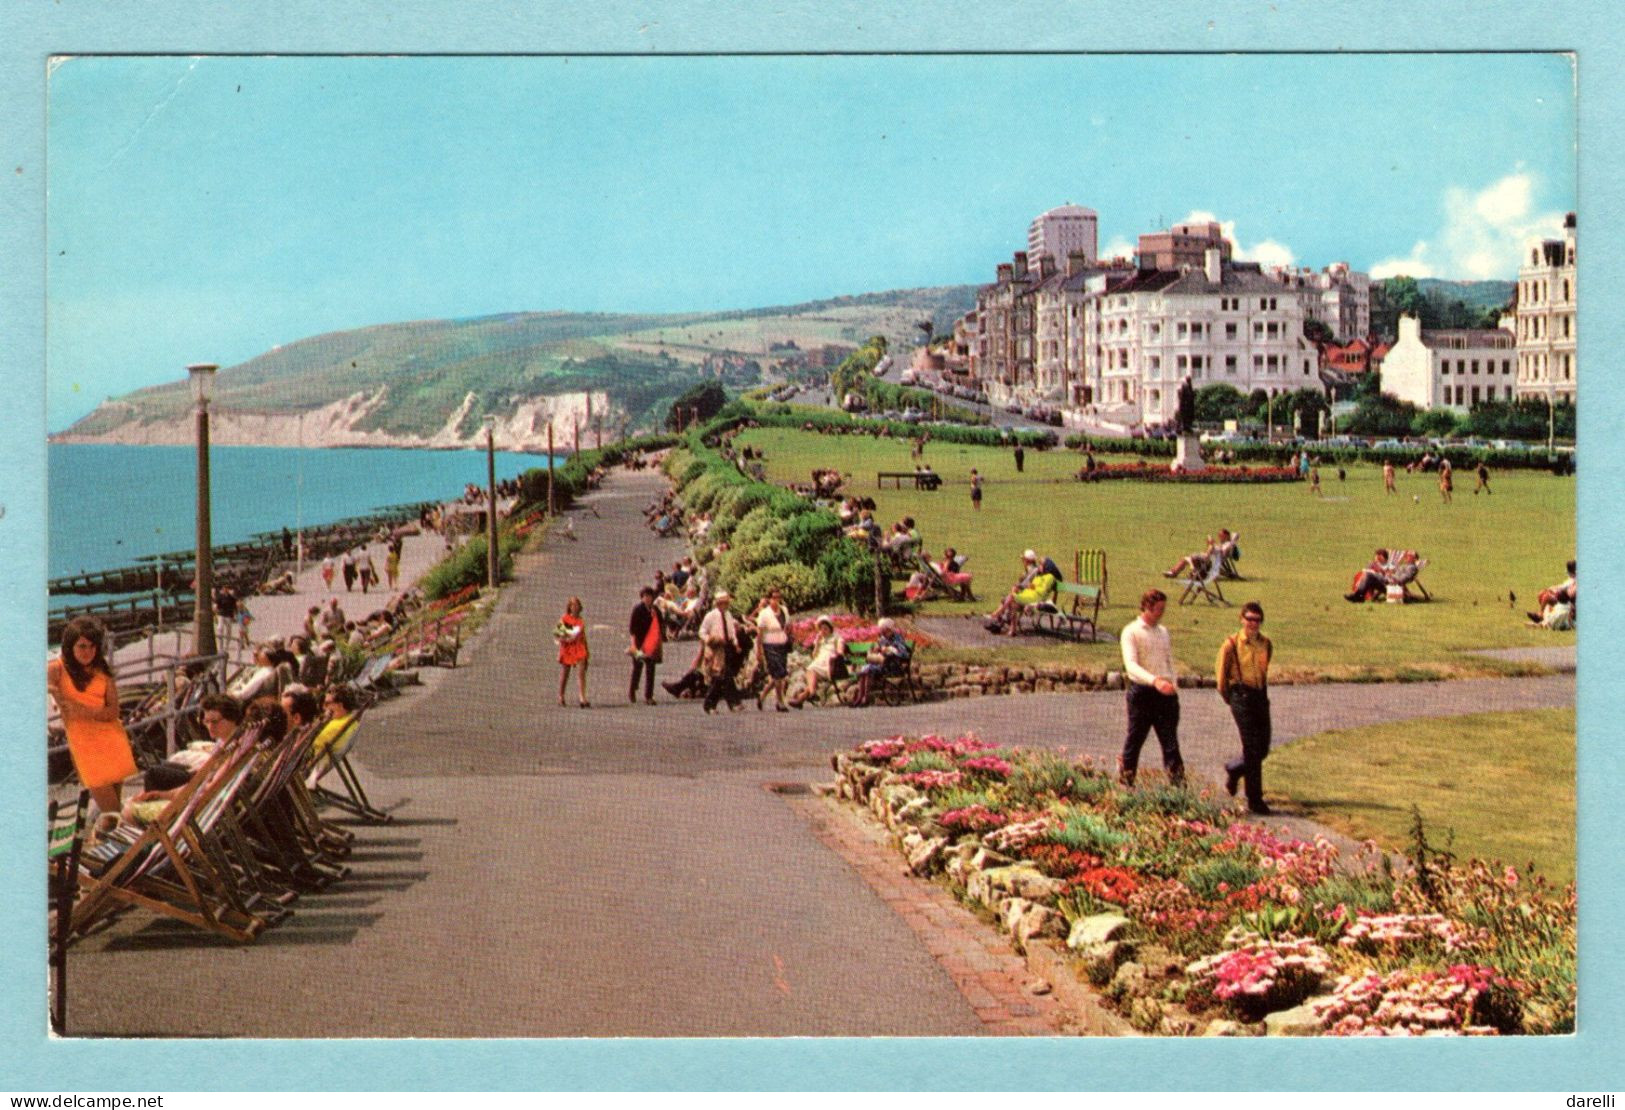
[808, 534]
[847, 572]
[466, 566]
[801, 586]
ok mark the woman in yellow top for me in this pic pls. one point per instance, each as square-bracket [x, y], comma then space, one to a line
[81, 683]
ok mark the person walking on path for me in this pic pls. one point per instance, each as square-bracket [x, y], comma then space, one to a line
[1153, 695]
[327, 574]
[1445, 483]
[366, 571]
[646, 646]
[773, 648]
[571, 634]
[347, 568]
[81, 684]
[1388, 476]
[1243, 669]
[392, 566]
[975, 490]
[1483, 479]
[719, 648]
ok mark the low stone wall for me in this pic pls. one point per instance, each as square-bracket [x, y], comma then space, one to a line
[975, 680]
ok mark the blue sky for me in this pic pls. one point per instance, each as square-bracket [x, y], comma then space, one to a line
[208, 209]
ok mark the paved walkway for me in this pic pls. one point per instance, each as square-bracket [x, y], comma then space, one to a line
[623, 870]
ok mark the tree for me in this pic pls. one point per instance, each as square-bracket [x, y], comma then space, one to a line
[1218, 403]
[699, 403]
[1382, 415]
[1317, 332]
[1305, 405]
[1435, 422]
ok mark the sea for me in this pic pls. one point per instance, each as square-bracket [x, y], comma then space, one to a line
[110, 504]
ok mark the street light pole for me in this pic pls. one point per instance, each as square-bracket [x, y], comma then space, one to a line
[203, 643]
[491, 505]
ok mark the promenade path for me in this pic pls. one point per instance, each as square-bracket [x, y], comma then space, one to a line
[627, 870]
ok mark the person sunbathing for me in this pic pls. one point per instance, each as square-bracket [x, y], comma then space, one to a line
[949, 570]
[1372, 580]
[1036, 584]
[1198, 563]
[1557, 603]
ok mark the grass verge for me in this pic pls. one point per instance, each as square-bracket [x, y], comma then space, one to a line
[1465, 774]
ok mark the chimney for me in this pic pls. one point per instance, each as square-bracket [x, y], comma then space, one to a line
[1046, 266]
[1410, 328]
[1212, 265]
[1076, 262]
[1020, 263]
[1004, 273]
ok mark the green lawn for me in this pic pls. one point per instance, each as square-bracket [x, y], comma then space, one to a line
[1298, 552]
[1464, 773]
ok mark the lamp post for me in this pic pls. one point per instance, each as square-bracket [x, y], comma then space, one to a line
[201, 376]
[491, 506]
[1551, 417]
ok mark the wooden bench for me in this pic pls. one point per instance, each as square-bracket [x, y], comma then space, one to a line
[1050, 617]
[898, 477]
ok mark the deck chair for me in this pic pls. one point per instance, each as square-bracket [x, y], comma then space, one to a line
[336, 760]
[1089, 569]
[1205, 584]
[169, 867]
[295, 851]
[1407, 576]
[939, 586]
[65, 840]
[1227, 556]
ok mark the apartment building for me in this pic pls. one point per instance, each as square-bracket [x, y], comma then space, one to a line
[1336, 296]
[1002, 354]
[1545, 320]
[1453, 368]
[1183, 246]
[1062, 231]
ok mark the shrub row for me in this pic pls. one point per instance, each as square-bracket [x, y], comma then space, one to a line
[1279, 454]
[829, 422]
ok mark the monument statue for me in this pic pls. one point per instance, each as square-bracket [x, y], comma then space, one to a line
[1187, 407]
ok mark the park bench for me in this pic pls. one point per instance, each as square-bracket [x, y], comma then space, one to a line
[898, 477]
[893, 687]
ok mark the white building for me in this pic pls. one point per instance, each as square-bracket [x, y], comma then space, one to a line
[1061, 231]
[1336, 296]
[1545, 321]
[1226, 323]
[1454, 368]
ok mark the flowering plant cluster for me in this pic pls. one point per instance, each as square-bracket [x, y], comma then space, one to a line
[1258, 974]
[1464, 999]
[1260, 920]
[1161, 472]
[1397, 933]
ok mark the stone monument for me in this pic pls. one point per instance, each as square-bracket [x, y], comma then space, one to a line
[1187, 445]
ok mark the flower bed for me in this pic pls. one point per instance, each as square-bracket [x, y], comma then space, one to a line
[1191, 919]
[853, 630]
[1145, 471]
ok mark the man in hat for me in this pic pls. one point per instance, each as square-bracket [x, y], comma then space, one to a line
[720, 651]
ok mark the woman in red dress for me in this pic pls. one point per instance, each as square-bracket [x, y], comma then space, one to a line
[81, 683]
[571, 635]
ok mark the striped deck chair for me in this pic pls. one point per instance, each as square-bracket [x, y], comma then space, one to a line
[336, 760]
[286, 835]
[168, 868]
[65, 840]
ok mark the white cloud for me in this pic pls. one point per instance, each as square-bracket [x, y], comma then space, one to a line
[1483, 236]
[1269, 252]
[1119, 247]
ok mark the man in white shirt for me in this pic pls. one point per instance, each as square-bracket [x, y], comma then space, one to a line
[719, 647]
[1153, 695]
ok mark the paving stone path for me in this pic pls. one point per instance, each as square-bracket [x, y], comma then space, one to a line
[626, 870]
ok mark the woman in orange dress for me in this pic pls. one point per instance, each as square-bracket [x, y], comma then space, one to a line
[571, 634]
[81, 683]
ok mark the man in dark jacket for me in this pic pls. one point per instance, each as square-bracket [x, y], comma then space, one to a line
[646, 645]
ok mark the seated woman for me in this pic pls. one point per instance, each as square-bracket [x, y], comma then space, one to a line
[1371, 581]
[891, 651]
[1557, 603]
[828, 662]
[261, 679]
[1040, 588]
[340, 705]
[950, 572]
